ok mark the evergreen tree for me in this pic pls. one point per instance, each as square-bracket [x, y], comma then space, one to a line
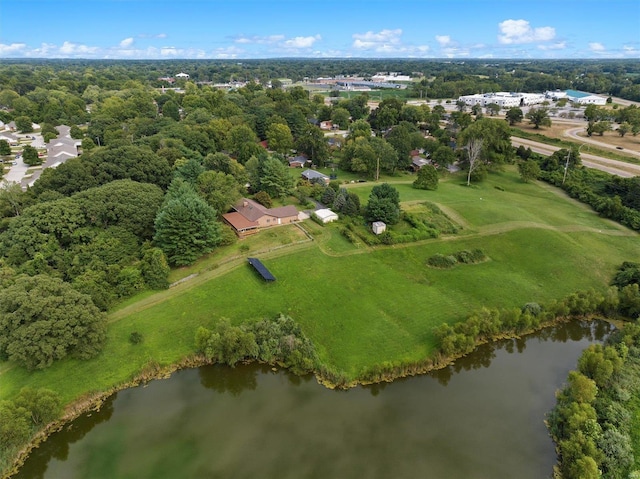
[186, 226]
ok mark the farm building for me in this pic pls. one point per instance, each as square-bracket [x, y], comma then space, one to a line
[326, 215]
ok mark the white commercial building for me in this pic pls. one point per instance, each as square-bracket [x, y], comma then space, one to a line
[575, 96]
[503, 99]
[583, 98]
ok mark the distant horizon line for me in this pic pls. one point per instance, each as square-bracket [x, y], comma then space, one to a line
[449, 60]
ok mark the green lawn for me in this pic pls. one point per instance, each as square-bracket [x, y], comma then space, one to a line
[364, 306]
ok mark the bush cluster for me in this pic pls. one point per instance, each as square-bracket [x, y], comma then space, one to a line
[463, 257]
[279, 341]
[23, 416]
[461, 338]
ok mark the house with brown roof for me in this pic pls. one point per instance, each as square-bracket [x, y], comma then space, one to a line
[250, 216]
[298, 161]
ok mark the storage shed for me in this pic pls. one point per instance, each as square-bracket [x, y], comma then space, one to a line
[326, 215]
[378, 227]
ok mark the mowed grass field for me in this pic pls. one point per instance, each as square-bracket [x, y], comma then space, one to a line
[364, 306]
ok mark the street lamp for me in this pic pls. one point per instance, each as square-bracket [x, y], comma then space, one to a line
[566, 165]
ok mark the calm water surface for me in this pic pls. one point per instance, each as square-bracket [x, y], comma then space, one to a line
[481, 418]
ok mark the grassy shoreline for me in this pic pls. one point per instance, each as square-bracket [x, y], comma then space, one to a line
[361, 306]
[94, 401]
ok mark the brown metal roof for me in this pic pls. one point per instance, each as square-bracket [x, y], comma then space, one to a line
[239, 222]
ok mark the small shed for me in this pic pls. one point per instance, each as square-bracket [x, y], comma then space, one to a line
[326, 215]
[378, 227]
[262, 269]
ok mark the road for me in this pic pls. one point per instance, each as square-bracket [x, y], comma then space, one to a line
[573, 133]
[614, 167]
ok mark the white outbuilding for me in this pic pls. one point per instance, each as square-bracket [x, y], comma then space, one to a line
[378, 227]
[326, 215]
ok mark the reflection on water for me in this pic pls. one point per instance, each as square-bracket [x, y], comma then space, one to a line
[466, 421]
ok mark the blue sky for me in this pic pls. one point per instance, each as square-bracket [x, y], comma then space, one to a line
[230, 29]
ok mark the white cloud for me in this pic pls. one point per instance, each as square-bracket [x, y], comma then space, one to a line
[628, 50]
[554, 46]
[520, 31]
[455, 52]
[170, 51]
[443, 40]
[227, 53]
[13, 48]
[596, 47]
[374, 41]
[260, 40]
[152, 35]
[67, 48]
[126, 43]
[76, 49]
[302, 42]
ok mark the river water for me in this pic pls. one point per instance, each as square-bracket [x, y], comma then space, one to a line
[480, 418]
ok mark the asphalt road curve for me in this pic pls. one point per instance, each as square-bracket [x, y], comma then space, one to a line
[614, 167]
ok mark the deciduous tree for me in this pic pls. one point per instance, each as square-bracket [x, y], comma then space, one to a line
[538, 117]
[529, 170]
[5, 148]
[427, 178]
[514, 115]
[43, 319]
[279, 138]
[30, 156]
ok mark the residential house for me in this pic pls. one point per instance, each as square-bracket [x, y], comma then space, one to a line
[298, 161]
[418, 162]
[63, 147]
[314, 176]
[9, 137]
[326, 125]
[249, 216]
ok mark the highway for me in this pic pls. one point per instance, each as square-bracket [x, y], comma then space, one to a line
[614, 167]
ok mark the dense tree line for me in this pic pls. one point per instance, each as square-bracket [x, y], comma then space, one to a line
[486, 324]
[443, 79]
[611, 196]
[592, 422]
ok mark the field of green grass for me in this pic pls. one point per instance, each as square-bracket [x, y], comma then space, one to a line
[364, 306]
